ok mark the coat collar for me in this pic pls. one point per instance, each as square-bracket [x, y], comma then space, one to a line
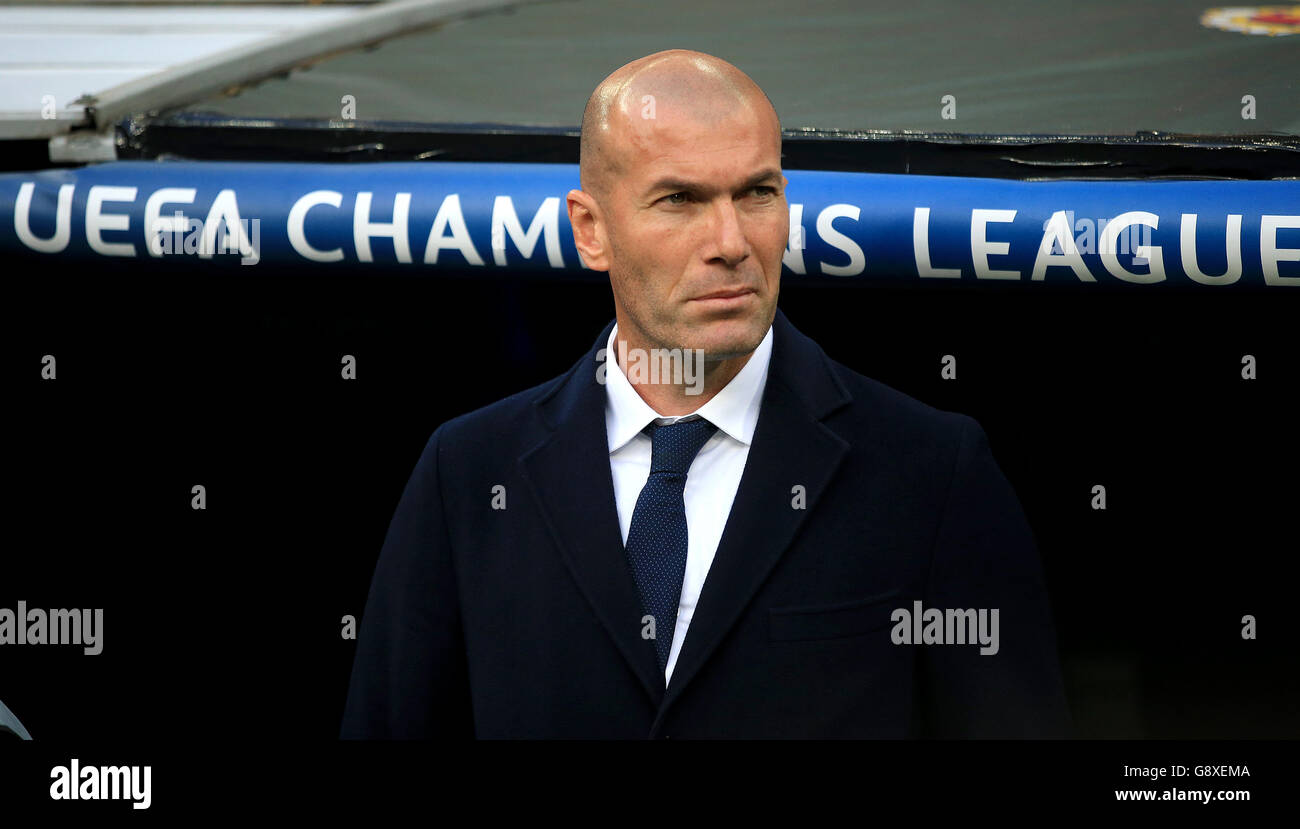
[569, 475]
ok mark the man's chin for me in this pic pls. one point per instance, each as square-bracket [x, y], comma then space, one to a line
[725, 339]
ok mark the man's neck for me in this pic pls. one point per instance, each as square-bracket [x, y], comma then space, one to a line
[701, 380]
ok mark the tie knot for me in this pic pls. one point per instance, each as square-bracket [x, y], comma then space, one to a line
[673, 447]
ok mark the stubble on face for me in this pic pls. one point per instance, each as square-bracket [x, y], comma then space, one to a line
[698, 123]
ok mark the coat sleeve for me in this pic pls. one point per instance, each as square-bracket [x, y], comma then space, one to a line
[985, 557]
[409, 678]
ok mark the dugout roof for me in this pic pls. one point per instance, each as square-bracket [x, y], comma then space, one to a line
[1016, 66]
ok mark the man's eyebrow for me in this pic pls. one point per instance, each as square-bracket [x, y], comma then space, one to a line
[673, 185]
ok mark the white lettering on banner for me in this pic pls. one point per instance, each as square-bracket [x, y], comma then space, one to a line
[298, 221]
[981, 248]
[1153, 255]
[1270, 254]
[546, 224]
[58, 240]
[450, 217]
[223, 217]
[363, 228]
[43, 222]
[1058, 234]
[921, 247]
[155, 226]
[97, 222]
[1232, 239]
[831, 236]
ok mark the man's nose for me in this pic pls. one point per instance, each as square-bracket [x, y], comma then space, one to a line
[729, 240]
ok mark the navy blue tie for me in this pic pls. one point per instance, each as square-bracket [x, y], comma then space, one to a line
[656, 542]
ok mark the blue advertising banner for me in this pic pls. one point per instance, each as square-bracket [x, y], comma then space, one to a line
[843, 226]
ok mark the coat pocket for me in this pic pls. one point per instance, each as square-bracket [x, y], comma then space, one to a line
[835, 620]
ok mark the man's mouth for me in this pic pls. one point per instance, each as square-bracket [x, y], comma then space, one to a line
[732, 295]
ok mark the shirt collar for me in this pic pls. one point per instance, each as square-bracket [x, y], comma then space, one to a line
[734, 409]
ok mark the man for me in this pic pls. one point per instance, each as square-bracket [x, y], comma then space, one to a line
[729, 547]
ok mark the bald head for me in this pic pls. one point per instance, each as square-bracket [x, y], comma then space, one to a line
[682, 202]
[656, 90]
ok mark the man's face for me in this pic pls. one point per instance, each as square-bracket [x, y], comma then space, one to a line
[699, 211]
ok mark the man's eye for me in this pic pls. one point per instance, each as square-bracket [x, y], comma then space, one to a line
[765, 191]
[671, 198]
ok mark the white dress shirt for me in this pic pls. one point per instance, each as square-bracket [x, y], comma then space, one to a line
[713, 478]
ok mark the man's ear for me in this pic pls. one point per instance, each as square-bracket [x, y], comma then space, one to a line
[588, 235]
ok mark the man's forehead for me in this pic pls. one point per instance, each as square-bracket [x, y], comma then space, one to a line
[699, 168]
[684, 145]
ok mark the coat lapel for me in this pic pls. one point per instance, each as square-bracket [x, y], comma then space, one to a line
[568, 473]
[790, 447]
[570, 477]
